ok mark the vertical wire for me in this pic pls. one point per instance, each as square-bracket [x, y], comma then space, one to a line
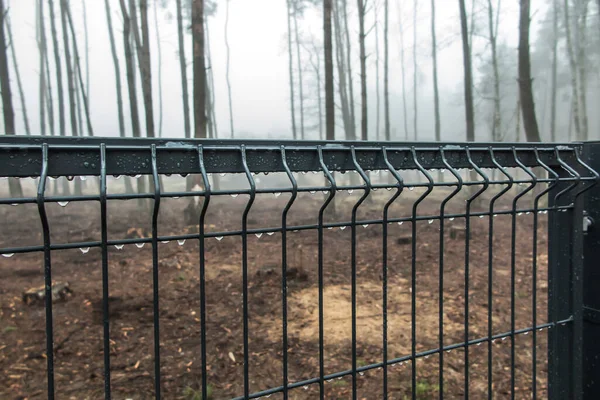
[367, 190]
[332, 191]
[201, 248]
[470, 200]
[490, 266]
[400, 188]
[413, 311]
[104, 249]
[155, 275]
[245, 269]
[284, 269]
[459, 184]
[534, 268]
[47, 272]
[513, 259]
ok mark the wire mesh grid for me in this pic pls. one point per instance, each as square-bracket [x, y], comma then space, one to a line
[429, 202]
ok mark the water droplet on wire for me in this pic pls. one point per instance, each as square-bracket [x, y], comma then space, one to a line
[430, 221]
[181, 242]
[219, 238]
[258, 235]
[63, 203]
[8, 255]
[342, 227]
[140, 245]
[277, 194]
[84, 250]
[119, 246]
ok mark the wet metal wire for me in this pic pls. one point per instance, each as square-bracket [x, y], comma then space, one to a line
[566, 176]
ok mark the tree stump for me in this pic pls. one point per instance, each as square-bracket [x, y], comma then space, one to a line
[60, 292]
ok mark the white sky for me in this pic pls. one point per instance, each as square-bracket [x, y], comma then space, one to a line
[259, 69]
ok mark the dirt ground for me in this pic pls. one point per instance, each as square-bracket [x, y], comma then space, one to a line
[78, 319]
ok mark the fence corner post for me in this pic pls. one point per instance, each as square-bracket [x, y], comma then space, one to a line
[591, 280]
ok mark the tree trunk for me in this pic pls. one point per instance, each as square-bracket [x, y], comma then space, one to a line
[496, 129]
[291, 70]
[70, 83]
[525, 91]
[573, 67]
[87, 52]
[18, 75]
[42, 78]
[227, 77]
[403, 68]
[347, 120]
[145, 67]
[49, 101]
[78, 104]
[199, 69]
[377, 94]
[57, 61]
[79, 75]
[14, 186]
[386, 61]
[159, 70]
[363, 71]
[183, 71]
[415, 74]
[436, 93]
[554, 71]
[300, 81]
[351, 110]
[210, 86]
[469, 113]
[328, 54]
[581, 26]
[130, 68]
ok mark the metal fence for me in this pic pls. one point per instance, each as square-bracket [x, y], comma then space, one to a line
[556, 181]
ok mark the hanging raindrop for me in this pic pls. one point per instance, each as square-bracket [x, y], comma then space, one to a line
[258, 235]
[140, 245]
[63, 203]
[8, 255]
[119, 246]
[219, 238]
[84, 250]
[181, 242]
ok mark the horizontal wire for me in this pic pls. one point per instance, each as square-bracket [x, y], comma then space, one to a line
[193, 236]
[134, 196]
[406, 358]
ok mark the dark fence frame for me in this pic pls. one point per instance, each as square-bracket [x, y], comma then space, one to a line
[574, 240]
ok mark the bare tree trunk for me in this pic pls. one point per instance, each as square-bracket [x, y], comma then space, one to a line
[525, 91]
[573, 67]
[160, 96]
[493, 29]
[183, 71]
[403, 68]
[87, 52]
[210, 86]
[291, 70]
[415, 74]
[377, 95]
[347, 119]
[554, 70]
[227, 77]
[328, 54]
[363, 71]
[581, 26]
[18, 75]
[70, 83]
[57, 61]
[49, 101]
[78, 68]
[351, 124]
[469, 113]
[14, 186]
[386, 61]
[42, 78]
[300, 81]
[199, 69]
[129, 65]
[145, 69]
[78, 103]
[436, 93]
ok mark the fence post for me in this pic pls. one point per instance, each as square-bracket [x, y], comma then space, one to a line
[591, 279]
[565, 287]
